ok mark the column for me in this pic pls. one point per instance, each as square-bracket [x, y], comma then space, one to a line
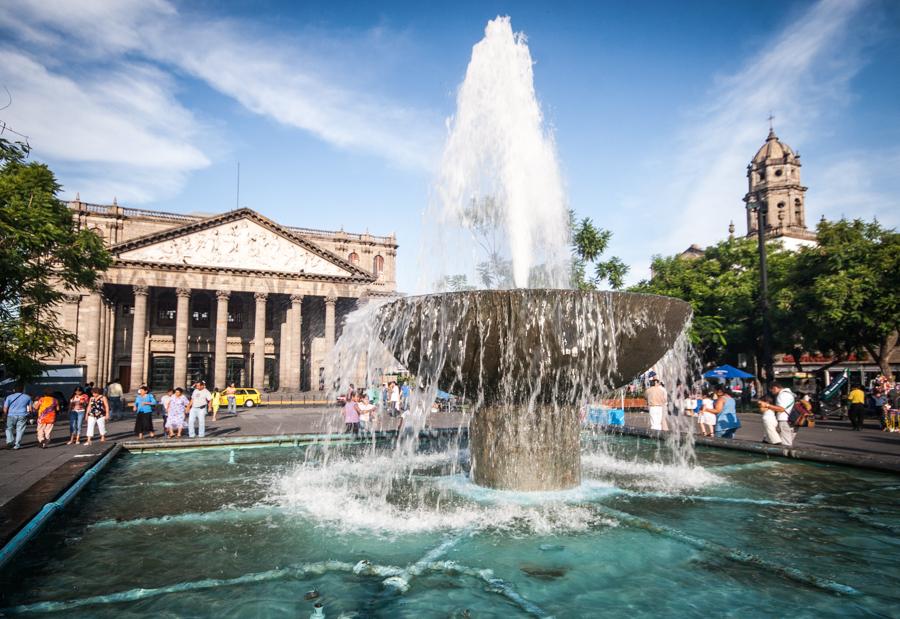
[182, 321]
[138, 333]
[329, 323]
[103, 372]
[296, 342]
[111, 343]
[284, 352]
[329, 339]
[259, 341]
[92, 346]
[221, 351]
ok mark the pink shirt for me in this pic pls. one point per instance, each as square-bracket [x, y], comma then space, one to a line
[351, 413]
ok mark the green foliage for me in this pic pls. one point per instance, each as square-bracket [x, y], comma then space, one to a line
[838, 297]
[722, 287]
[588, 244]
[42, 255]
[845, 289]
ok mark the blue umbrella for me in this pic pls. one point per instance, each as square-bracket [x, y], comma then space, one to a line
[727, 371]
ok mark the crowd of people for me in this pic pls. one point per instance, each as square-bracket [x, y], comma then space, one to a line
[90, 408]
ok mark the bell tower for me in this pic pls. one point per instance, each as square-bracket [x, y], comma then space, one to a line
[774, 182]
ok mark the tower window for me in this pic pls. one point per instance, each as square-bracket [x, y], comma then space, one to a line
[353, 258]
[378, 266]
[781, 205]
[778, 172]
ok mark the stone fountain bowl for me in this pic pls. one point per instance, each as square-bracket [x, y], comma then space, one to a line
[531, 344]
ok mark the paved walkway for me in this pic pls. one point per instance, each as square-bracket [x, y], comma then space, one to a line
[832, 435]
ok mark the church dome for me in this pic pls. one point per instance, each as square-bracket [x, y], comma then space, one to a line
[773, 149]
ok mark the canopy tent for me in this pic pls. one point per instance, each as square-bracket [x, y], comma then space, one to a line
[726, 371]
[442, 395]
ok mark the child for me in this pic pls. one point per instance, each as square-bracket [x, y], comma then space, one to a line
[214, 403]
[707, 420]
[366, 414]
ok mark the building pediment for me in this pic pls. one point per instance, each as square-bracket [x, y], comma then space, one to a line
[240, 240]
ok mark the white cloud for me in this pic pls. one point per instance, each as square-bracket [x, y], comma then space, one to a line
[101, 88]
[859, 184]
[124, 121]
[801, 74]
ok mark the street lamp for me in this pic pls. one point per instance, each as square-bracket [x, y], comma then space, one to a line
[762, 209]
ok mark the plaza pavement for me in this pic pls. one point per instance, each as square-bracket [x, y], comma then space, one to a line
[31, 477]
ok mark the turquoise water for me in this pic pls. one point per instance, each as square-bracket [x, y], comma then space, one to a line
[187, 534]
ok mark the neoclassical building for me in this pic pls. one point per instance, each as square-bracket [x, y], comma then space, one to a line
[233, 297]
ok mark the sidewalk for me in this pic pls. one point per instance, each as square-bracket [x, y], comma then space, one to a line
[833, 437]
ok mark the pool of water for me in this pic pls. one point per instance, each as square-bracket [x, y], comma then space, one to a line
[209, 533]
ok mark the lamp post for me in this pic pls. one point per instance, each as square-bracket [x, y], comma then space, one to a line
[762, 210]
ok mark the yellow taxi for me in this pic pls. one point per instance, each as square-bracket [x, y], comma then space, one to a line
[243, 396]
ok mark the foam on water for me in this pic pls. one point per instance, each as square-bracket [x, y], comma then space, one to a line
[644, 475]
[355, 495]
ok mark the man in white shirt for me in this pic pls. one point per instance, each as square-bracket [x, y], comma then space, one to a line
[657, 402]
[784, 402]
[200, 400]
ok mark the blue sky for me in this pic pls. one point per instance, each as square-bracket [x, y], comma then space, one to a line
[337, 111]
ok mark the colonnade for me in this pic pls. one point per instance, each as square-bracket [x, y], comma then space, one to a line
[99, 334]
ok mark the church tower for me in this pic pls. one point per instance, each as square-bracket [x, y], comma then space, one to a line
[774, 181]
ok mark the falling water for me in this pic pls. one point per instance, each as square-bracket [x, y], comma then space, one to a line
[527, 362]
[499, 190]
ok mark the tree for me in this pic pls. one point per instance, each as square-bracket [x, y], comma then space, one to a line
[844, 291]
[42, 255]
[588, 244]
[722, 287]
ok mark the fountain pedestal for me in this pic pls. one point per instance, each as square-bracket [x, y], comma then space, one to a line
[513, 448]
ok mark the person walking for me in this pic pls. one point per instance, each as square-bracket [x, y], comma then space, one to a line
[16, 408]
[214, 403]
[657, 401]
[857, 400]
[231, 398]
[114, 393]
[175, 410]
[784, 403]
[46, 408]
[97, 414]
[78, 404]
[200, 399]
[143, 412]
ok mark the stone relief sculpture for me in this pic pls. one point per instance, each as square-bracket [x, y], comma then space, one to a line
[242, 244]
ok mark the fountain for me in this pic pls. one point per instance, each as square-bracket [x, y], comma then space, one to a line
[529, 359]
[555, 524]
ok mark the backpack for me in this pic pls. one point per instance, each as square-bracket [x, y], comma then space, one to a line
[797, 414]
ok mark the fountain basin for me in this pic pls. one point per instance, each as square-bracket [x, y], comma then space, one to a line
[528, 359]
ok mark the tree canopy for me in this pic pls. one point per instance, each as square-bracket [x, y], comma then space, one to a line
[42, 255]
[844, 291]
[838, 297]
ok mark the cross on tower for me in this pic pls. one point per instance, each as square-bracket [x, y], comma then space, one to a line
[771, 118]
